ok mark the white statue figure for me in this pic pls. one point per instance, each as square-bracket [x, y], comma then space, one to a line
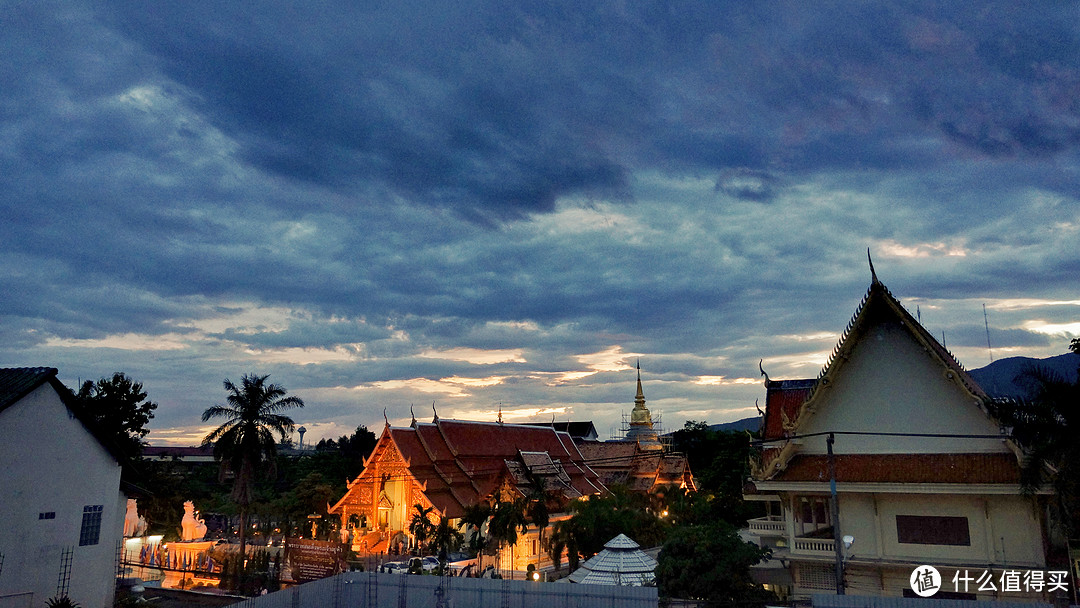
[131, 518]
[194, 527]
[134, 524]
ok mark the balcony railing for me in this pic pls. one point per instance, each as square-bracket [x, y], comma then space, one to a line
[813, 545]
[767, 526]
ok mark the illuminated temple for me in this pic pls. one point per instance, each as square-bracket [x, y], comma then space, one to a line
[449, 465]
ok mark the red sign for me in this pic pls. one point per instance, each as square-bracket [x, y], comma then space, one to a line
[310, 560]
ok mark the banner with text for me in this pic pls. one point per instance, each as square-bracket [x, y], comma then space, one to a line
[310, 560]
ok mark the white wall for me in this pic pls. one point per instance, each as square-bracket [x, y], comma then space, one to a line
[1004, 530]
[53, 464]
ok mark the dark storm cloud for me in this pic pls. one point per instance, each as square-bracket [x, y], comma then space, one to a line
[693, 181]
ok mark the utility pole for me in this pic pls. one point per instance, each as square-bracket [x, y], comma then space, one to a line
[837, 539]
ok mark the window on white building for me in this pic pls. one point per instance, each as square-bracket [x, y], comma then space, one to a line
[91, 525]
[932, 530]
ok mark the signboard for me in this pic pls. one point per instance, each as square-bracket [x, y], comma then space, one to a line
[310, 560]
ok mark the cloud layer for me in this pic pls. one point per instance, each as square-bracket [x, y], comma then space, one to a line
[495, 206]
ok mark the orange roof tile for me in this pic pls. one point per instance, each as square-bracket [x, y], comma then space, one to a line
[905, 468]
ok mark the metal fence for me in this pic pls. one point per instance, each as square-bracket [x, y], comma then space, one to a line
[376, 590]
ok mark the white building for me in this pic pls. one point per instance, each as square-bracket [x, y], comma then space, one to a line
[61, 510]
[905, 497]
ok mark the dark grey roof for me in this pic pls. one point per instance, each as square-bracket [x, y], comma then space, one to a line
[18, 382]
[574, 429]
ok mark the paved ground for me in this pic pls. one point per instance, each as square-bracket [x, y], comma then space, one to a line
[175, 598]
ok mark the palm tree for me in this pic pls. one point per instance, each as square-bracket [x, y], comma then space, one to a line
[421, 527]
[245, 441]
[475, 517]
[506, 519]
[445, 537]
[1046, 426]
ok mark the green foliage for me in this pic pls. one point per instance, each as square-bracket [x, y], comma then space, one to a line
[601, 518]
[710, 563]
[250, 578]
[445, 538]
[1046, 428]
[720, 461]
[119, 408]
[420, 526]
[508, 517]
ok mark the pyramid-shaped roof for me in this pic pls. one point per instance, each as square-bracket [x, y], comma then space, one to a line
[621, 562]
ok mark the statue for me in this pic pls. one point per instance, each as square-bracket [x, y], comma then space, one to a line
[134, 524]
[194, 526]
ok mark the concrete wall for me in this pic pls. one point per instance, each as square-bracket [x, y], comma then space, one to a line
[393, 590]
[52, 464]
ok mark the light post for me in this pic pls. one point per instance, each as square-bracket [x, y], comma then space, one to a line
[837, 540]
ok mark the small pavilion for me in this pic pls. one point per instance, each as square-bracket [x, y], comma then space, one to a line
[621, 562]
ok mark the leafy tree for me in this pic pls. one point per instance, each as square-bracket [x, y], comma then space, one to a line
[245, 441]
[119, 407]
[720, 461]
[601, 518]
[710, 563]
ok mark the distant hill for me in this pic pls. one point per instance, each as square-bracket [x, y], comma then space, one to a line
[746, 424]
[998, 378]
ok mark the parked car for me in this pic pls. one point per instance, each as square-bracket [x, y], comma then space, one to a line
[394, 568]
[429, 563]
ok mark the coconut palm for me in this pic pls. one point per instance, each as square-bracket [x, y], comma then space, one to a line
[445, 538]
[1046, 426]
[244, 444]
[421, 527]
[507, 518]
[475, 517]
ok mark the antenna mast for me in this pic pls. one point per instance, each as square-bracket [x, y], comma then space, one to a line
[986, 321]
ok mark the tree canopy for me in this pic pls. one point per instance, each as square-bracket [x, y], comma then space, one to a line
[711, 563]
[119, 408]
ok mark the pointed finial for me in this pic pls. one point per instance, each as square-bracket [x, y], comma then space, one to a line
[411, 413]
[500, 414]
[762, 369]
[873, 274]
[436, 418]
[385, 418]
[758, 407]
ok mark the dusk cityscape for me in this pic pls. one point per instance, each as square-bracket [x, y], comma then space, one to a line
[448, 219]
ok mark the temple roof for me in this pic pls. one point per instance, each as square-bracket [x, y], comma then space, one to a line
[790, 404]
[460, 463]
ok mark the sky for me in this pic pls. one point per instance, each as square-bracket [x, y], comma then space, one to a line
[484, 206]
